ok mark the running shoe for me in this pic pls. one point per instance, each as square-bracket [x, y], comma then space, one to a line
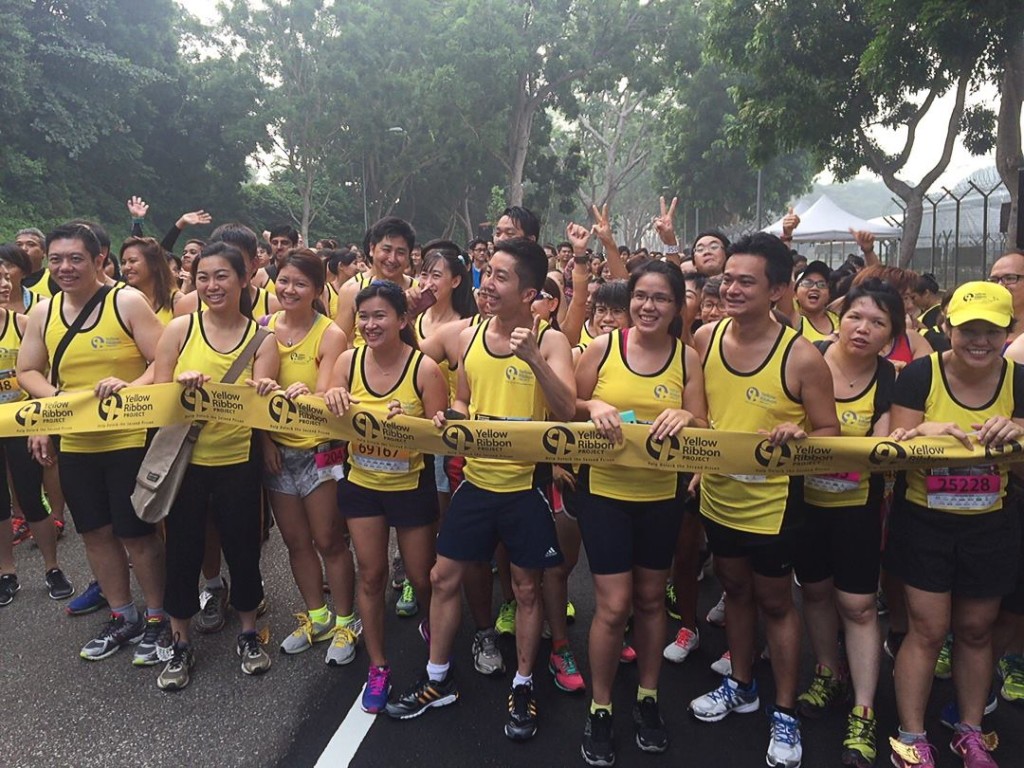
[860, 745]
[486, 655]
[522, 713]
[716, 616]
[213, 609]
[1011, 670]
[562, 664]
[687, 640]
[307, 633]
[9, 587]
[377, 690]
[628, 654]
[263, 606]
[598, 747]
[893, 641]
[973, 747]
[723, 664]
[827, 690]
[784, 747]
[57, 585]
[255, 661]
[506, 621]
[90, 600]
[407, 604]
[944, 664]
[58, 525]
[651, 735]
[920, 754]
[670, 601]
[570, 613]
[176, 673]
[343, 647]
[398, 577]
[115, 633]
[20, 532]
[950, 714]
[422, 696]
[725, 699]
[155, 644]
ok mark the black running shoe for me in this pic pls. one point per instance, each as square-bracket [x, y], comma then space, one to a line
[522, 713]
[651, 735]
[57, 585]
[9, 587]
[598, 747]
[422, 696]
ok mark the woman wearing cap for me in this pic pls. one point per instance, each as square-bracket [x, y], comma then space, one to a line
[838, 558]
[817, 321]
[952, 540]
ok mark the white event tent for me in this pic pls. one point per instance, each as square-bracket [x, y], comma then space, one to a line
[825, 221]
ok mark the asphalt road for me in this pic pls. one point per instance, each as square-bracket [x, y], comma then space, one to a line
[61, 711]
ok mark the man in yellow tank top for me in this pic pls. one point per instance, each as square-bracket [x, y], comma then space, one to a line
[97, 471]
[512, 369]
[759, 377]
[388, 243]
[244, 239]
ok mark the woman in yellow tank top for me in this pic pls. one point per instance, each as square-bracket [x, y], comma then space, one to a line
[223, 476]
[386, 487]
[630, 518]
[20, 299]
[817, 321]
[952, 539]
[838, 557]
[301, 472]
[144, 267]
[26, 475]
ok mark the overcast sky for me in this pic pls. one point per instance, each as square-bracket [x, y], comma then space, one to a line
[929, 136]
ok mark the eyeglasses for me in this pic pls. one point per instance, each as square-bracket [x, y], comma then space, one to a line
[708, 306]
[710, 247]
[808, 283]
[602, 309]
[660, 299]
[1010, 279]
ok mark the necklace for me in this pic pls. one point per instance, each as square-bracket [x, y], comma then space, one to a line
[291, 336]
[851, 381]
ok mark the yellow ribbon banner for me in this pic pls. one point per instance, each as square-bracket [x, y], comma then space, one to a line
[693, 450]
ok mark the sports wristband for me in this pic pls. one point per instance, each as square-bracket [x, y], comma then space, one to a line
[671, 248]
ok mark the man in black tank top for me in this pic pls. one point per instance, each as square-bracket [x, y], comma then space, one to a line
[755, 568]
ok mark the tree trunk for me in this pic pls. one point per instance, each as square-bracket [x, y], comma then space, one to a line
[912, 217]
[520, 123]
[1009, 155]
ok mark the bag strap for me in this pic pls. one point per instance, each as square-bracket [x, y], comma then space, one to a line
[248, 353]
[73, 330]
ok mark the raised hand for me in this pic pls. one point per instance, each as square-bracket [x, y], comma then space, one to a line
[790, 222]
[523, 343]
[137, 207]
[602, 228]
[194, 219]
[865, 240]
[664, 224]
[578, 235]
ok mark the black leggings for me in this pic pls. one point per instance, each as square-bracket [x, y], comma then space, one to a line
[27, 478]
[232, 495]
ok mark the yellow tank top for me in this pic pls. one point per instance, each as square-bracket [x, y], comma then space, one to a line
[332, 300]
[372, 465]
[218, 444]
[812, 334]
[104, 349]
[647, 395]
[965, 490]
[747, 402]
[502, 388]
[31, 299]
[846, 489]
[10, 343]
[585, 337]
[300, 362]
[363, 279]
[41, 287]
[271, 286]
[260, 304]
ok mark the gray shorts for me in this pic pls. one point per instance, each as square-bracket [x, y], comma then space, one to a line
[440, 476]
[299, 475]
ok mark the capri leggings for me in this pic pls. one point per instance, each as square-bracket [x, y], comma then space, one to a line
[27, 478]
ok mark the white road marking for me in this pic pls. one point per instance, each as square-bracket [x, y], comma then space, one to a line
[346, 740]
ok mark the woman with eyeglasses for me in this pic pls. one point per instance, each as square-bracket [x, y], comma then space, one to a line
[387, 487]
[954, 540]
[630, 518]
[817, 321]
[838, 558]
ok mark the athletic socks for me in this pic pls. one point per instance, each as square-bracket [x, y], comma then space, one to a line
[437, 672]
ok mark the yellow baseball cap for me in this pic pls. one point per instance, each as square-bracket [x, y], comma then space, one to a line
[980, 300]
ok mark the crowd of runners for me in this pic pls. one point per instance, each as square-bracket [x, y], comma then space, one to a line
[742, 336]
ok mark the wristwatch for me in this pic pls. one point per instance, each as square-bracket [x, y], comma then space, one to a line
[671, 248]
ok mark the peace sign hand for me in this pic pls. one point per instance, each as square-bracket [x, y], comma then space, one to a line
[602, 228]
[663, 224]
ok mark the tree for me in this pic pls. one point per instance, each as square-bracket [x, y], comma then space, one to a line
[824, 76]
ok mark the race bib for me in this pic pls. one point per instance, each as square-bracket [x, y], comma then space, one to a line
[971, 488]
[330, 460]
[837, 483]
[10, 392]
[379, 458]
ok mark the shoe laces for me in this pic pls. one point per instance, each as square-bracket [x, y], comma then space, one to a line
[568, 661]
[507, 610]
[685, 636]
[1015, 671]
[408, 593]
[785, 730]
[975, 746]
[250, 644]
[601, 726]
[726, 694]
[178, 651]
[487, 642]
[859, 730]
[153, 628]
[344, 636]
[670, 593]
[822, 689]
[305, 628]
[650, 715]
[112, 626]
[377, 682]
